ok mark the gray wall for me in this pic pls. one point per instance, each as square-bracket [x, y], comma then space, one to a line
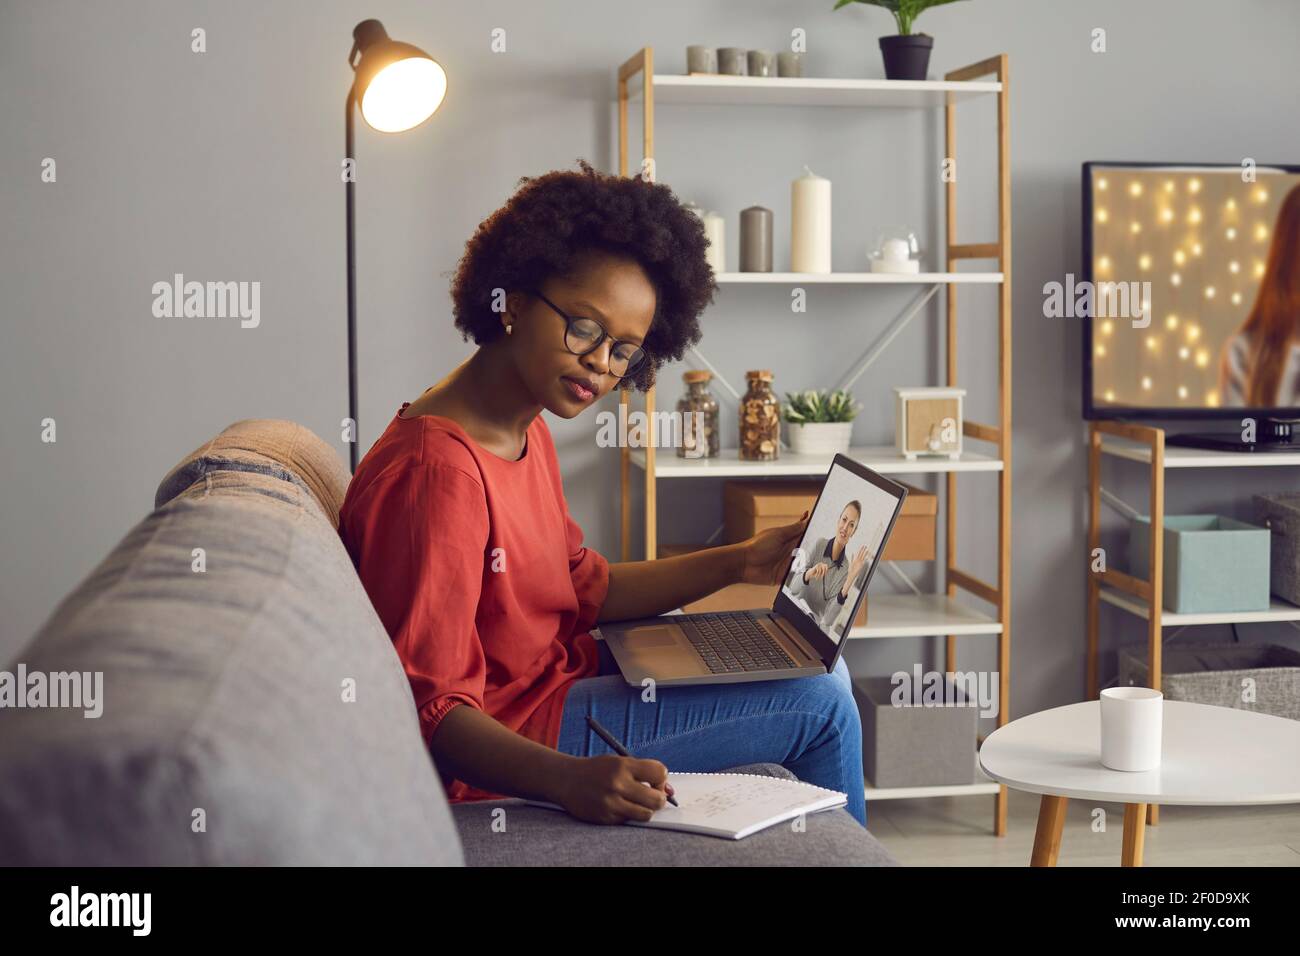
[225, 166]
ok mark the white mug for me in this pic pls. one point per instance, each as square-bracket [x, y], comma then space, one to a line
[1131, 728]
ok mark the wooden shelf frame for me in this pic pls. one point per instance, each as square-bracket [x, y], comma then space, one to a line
[636, 76]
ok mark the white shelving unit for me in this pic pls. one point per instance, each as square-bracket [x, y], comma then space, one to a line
[888, 615]
[1146, 446]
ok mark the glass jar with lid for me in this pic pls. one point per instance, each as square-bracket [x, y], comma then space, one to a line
[760, 419]
[698, 410]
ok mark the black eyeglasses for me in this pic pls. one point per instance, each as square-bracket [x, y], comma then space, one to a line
[583, 336]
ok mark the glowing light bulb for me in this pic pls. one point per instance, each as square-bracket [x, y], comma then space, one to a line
[1103, 264]
[1202, 358]
[1107, 327]
[1212, 399]
[1236, 298]
[1101, 351]
[1259, 270]
[1110, 395]
[1102, 215]
[1197, 249]
[1261, 195]
[1152, 345]
[1230, 232]
[1184, 353]
[1209, 292]
[1194, 185]
[1261, 232]
[1230, 205]
[1234, 266]
[1169, 185]
[1144, 261]
[1182, 391]
[1175, 279]
[1194, 216]
[1102, 183]
[1146, 382]
[1166, 215]
[1193, 333]
[1135, 227]
[1179, 257]
[1135, 188]
[1171, 322]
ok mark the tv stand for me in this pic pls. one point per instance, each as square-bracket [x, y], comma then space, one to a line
[1271, 435]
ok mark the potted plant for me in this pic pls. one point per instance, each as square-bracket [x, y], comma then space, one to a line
[907, 55]
[819, 423]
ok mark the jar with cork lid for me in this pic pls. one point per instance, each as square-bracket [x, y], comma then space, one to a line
[760, 420]
[698, 410]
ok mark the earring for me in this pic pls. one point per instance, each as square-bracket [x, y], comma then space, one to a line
[508, 328]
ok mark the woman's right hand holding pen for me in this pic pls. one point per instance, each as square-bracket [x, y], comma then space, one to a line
[613, 789]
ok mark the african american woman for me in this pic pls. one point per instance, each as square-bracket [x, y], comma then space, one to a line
[458, 526]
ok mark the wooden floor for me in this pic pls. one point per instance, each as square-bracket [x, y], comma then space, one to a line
[958, 831]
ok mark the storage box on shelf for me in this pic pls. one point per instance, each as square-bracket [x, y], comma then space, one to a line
[1219, 673]
[1280, 513]
[914, 745]
[753, 506]
[1212, 564]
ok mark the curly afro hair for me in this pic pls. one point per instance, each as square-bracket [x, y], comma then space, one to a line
[555, 219]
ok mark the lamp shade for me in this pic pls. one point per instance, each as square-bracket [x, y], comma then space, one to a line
[398, 86]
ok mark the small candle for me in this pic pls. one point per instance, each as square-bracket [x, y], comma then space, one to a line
[715, 232]
[810, 223]
[756, 239]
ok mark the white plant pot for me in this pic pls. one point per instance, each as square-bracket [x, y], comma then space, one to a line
[819, 438]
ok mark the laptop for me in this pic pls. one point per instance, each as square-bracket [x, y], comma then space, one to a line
[803, 632]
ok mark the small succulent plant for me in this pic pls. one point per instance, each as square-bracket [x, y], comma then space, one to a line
[808, 407]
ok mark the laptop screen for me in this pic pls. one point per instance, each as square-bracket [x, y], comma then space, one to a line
[830, 570]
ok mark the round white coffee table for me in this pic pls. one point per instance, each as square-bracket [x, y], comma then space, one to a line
[1212, 756]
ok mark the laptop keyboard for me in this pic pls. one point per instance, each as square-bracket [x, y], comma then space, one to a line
[734, 643]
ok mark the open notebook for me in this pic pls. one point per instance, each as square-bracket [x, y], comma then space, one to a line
[734, 805]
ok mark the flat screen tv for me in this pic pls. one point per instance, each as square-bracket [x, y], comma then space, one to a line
[1190, 291]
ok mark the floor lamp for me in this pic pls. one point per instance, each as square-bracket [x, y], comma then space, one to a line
[398, 87]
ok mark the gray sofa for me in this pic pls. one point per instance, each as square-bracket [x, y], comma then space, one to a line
[255, 712]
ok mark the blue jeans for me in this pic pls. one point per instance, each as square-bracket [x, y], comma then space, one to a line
[809, 725]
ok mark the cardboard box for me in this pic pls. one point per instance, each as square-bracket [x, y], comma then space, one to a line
[753, 506]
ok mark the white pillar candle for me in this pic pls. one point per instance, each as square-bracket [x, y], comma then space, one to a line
[810, 223]
[714, 231]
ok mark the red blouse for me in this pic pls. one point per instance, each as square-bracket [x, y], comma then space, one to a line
[478, 572]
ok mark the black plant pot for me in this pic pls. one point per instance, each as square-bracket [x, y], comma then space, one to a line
[906, 57]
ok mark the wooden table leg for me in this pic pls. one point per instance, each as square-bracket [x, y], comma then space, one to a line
[1047, 838]
[1134, 833]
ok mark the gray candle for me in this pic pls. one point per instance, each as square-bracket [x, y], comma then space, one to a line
[731, 59]
[789, 64]
[701, 59]
[756, 239]
[762, 63]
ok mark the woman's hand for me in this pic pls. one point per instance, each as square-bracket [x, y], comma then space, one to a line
[855, 567]
[612, 789]
[816, 572]
[768, 552]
